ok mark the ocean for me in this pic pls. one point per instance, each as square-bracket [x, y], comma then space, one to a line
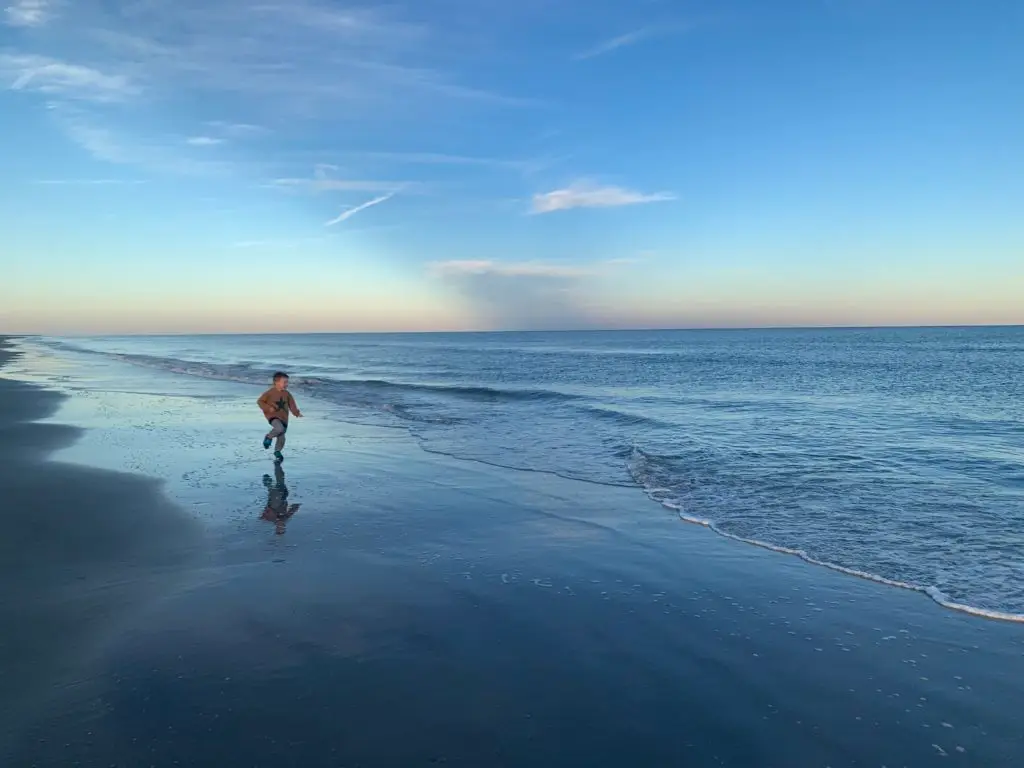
[890, 454]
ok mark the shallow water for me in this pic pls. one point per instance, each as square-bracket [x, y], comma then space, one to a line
[895, 454]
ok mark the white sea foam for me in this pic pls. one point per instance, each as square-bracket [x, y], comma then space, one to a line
[933, 592]
[637, 464]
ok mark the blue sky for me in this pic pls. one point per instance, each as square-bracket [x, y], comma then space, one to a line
[279, 165]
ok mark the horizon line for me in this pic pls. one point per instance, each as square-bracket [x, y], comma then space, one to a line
[639, 329]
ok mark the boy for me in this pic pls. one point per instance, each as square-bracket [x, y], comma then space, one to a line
[276, 403]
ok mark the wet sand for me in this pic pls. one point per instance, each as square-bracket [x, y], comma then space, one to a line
[80, 546]
[416, 610]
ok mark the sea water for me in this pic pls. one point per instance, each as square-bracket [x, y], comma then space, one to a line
[892, 454]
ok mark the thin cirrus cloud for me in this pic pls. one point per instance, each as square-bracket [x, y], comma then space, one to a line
[89, 182]
[462, 268]
[322, 181]
[593, 196]
[277, 243]
[349, 213]
[236, 130]
[631, 38]
[322, 184]
[56, 78]
[28, 13]
[614, 43]
[440, 158]
[113, 147]
[327, 63]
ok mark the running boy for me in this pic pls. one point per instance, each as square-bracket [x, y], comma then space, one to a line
[276, 403]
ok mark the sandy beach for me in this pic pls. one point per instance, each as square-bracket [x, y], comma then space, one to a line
[171, 600]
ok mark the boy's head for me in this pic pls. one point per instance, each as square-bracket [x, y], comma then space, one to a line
[281, 380]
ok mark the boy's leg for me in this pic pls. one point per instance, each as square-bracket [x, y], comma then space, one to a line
[277, 431]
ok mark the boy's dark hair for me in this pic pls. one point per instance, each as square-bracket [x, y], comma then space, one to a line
[280, 375]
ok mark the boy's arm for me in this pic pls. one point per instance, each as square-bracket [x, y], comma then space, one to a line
[264, 403]
[293, 407]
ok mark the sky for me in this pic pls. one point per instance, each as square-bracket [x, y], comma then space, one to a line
[320, 165]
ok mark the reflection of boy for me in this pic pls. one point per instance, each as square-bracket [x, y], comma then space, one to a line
[277, 510]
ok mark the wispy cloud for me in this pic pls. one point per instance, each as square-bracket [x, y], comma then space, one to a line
[437, 158]
[277, 244]
[58, 78]
[28, 13]
[307, 59]
[286, 69]
[340, 22]
[342, 185]
[632, 38]
[507, 269]
[348, 214]
[323, 170]
[582, 195]
[322, 181]
[523, 167]
[237, 130]
[628, 260]
[112, 146]
[88, 182]
[98, 142]
[613, 44]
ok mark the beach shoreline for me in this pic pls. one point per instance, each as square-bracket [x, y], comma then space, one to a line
[455, 613]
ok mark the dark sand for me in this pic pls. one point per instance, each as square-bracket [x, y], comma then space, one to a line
[79, 547]
[418, 611]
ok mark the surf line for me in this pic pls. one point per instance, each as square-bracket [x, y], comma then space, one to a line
[936, 594]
